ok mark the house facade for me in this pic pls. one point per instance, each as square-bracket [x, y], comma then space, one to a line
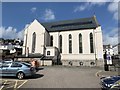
[73, 42]
[108, 49]
[116, 49]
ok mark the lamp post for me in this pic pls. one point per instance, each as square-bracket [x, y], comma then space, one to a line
[26, 42]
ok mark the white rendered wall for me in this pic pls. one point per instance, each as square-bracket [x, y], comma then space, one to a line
[36, 27]
[98, 43]
[52, 51]
[115, 50]
[75, 55]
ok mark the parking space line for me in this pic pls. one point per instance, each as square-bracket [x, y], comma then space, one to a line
[10, 86]
[3, 85]
[15, 83]
[22, 84]
[11, 80]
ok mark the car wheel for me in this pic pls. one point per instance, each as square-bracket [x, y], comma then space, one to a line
[20, 75]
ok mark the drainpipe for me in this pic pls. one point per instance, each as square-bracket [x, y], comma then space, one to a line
[95, 47]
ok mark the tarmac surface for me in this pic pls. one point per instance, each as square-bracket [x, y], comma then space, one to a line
[65, 77]
[59, 77]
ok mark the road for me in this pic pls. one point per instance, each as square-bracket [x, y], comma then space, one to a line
[64, 77]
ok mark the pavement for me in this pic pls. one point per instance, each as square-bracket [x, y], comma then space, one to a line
[103, 73]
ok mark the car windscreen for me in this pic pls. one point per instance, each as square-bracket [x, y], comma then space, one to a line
[111, 80]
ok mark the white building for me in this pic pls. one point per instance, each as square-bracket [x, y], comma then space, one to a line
[116, 49]
[108, 49]
[75, 41]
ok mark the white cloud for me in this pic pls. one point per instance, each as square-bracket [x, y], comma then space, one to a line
[111, 37]
[88, 5]
[48, 15]
[113, 8]
[99, 1]
[33, 9]
[11, 33]
[82, 7]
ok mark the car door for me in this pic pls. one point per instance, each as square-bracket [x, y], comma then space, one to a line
[13, 69]
[0, 69]
[4, 68]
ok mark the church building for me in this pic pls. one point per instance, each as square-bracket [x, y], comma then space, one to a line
[71, 42]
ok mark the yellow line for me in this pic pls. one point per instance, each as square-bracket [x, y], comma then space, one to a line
[12, 80]
[15, 84]
[10, 86]
[22, 84]
[3, 85]
[96, 74]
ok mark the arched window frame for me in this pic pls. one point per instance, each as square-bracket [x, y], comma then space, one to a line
[60, 42]
[51, 40]
[91, 43]
[33, 42]
[70, 43]
[80, 43]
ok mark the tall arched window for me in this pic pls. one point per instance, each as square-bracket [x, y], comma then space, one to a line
[33, 42]
[70, 43]
[80, 43]
[60, 42]
[51, 42]
[91, 43]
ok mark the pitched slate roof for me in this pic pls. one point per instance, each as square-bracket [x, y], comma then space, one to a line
[76, 24]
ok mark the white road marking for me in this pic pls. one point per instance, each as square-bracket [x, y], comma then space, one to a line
[3, 85]
[22, 84]
[15, 84]
[10, 86]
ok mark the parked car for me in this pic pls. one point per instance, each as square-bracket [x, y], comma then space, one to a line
[7, 60]
[108, 82]
[116, 86]
[18, 69]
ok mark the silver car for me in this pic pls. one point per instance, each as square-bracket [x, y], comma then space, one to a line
[18, 69]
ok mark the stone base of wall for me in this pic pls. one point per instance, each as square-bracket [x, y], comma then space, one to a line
[46, 62]
[41, 62]
[82, 63]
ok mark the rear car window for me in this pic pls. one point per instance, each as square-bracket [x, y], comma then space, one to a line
[16, 65]
[4, 65]
[27, 64]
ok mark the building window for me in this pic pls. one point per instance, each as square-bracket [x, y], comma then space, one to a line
[80, 43]
[51, 42]
[33, 42]
[91, 43]
[70, 43]
[48, 52]
[60, 42]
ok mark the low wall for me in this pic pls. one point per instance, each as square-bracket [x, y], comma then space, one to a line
[82, 63]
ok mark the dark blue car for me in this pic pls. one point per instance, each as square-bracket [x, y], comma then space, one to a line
[108, 82]
[18, 69]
